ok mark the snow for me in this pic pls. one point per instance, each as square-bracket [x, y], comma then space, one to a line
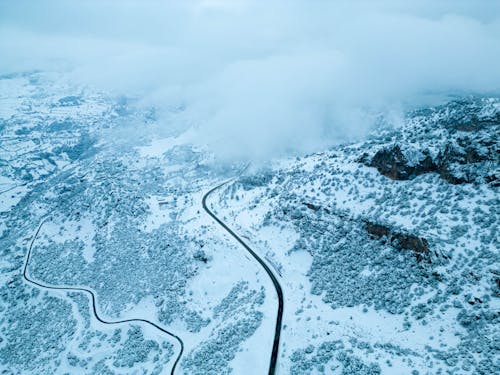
[159, 146]
[10, 198]
[125, 220]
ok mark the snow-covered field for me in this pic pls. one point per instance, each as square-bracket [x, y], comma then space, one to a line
[386, 250]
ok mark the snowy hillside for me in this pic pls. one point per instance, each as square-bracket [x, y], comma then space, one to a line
[124, 222]
[386, 250]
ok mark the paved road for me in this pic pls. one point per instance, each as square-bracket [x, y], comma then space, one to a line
[277, 286]
[93, 298]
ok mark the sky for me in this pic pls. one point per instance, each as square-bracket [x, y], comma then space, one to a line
[264, 78]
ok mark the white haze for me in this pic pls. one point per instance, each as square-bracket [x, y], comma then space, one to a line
[263, 78]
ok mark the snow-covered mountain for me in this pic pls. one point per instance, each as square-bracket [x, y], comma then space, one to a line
[386, 250]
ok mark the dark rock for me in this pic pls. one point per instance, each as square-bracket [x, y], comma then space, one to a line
[470, 152]
[465, 115]
[461, 163]
[464, 161]
[312, 206]
[392, 163]
[400, 240]
[410, 242]
[377, 230]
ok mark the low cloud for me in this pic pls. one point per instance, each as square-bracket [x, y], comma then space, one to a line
[261, 79]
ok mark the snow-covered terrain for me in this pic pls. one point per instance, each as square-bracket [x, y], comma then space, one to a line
[125, 222]
[386, 250]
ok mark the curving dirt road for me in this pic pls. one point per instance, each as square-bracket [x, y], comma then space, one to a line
[93, 298]
[277, 286]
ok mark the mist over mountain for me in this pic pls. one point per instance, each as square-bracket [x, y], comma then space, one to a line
[263, 79]
[281, 187]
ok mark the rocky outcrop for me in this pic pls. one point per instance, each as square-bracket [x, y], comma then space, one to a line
[468, 115]
[467, 161]
[392, 163]
[312, 206]
[399, 240]
[459, 162]
[458, 141]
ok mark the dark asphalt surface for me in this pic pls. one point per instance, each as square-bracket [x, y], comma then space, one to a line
[277, 286]
[93, 298]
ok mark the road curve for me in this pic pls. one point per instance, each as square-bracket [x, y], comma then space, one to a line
[277, 286]
[93, 298]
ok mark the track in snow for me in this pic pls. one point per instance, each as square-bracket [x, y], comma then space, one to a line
[93, 298]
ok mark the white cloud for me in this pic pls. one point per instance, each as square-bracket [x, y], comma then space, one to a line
[264, 78]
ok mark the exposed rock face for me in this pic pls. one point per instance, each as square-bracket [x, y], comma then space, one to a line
[399, 240]
[393, 163]
[410, 242]
[377, 230]
[458, 163]
[312, 206]
[466, 160]
[469, 116]
[458, 141]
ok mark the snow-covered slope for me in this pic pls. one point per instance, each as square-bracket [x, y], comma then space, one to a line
[386, 250]
[125, 222]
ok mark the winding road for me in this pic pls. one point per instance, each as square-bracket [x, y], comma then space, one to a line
[93, 298]
[277, 286]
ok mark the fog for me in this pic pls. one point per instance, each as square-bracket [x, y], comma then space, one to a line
[264, 78]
